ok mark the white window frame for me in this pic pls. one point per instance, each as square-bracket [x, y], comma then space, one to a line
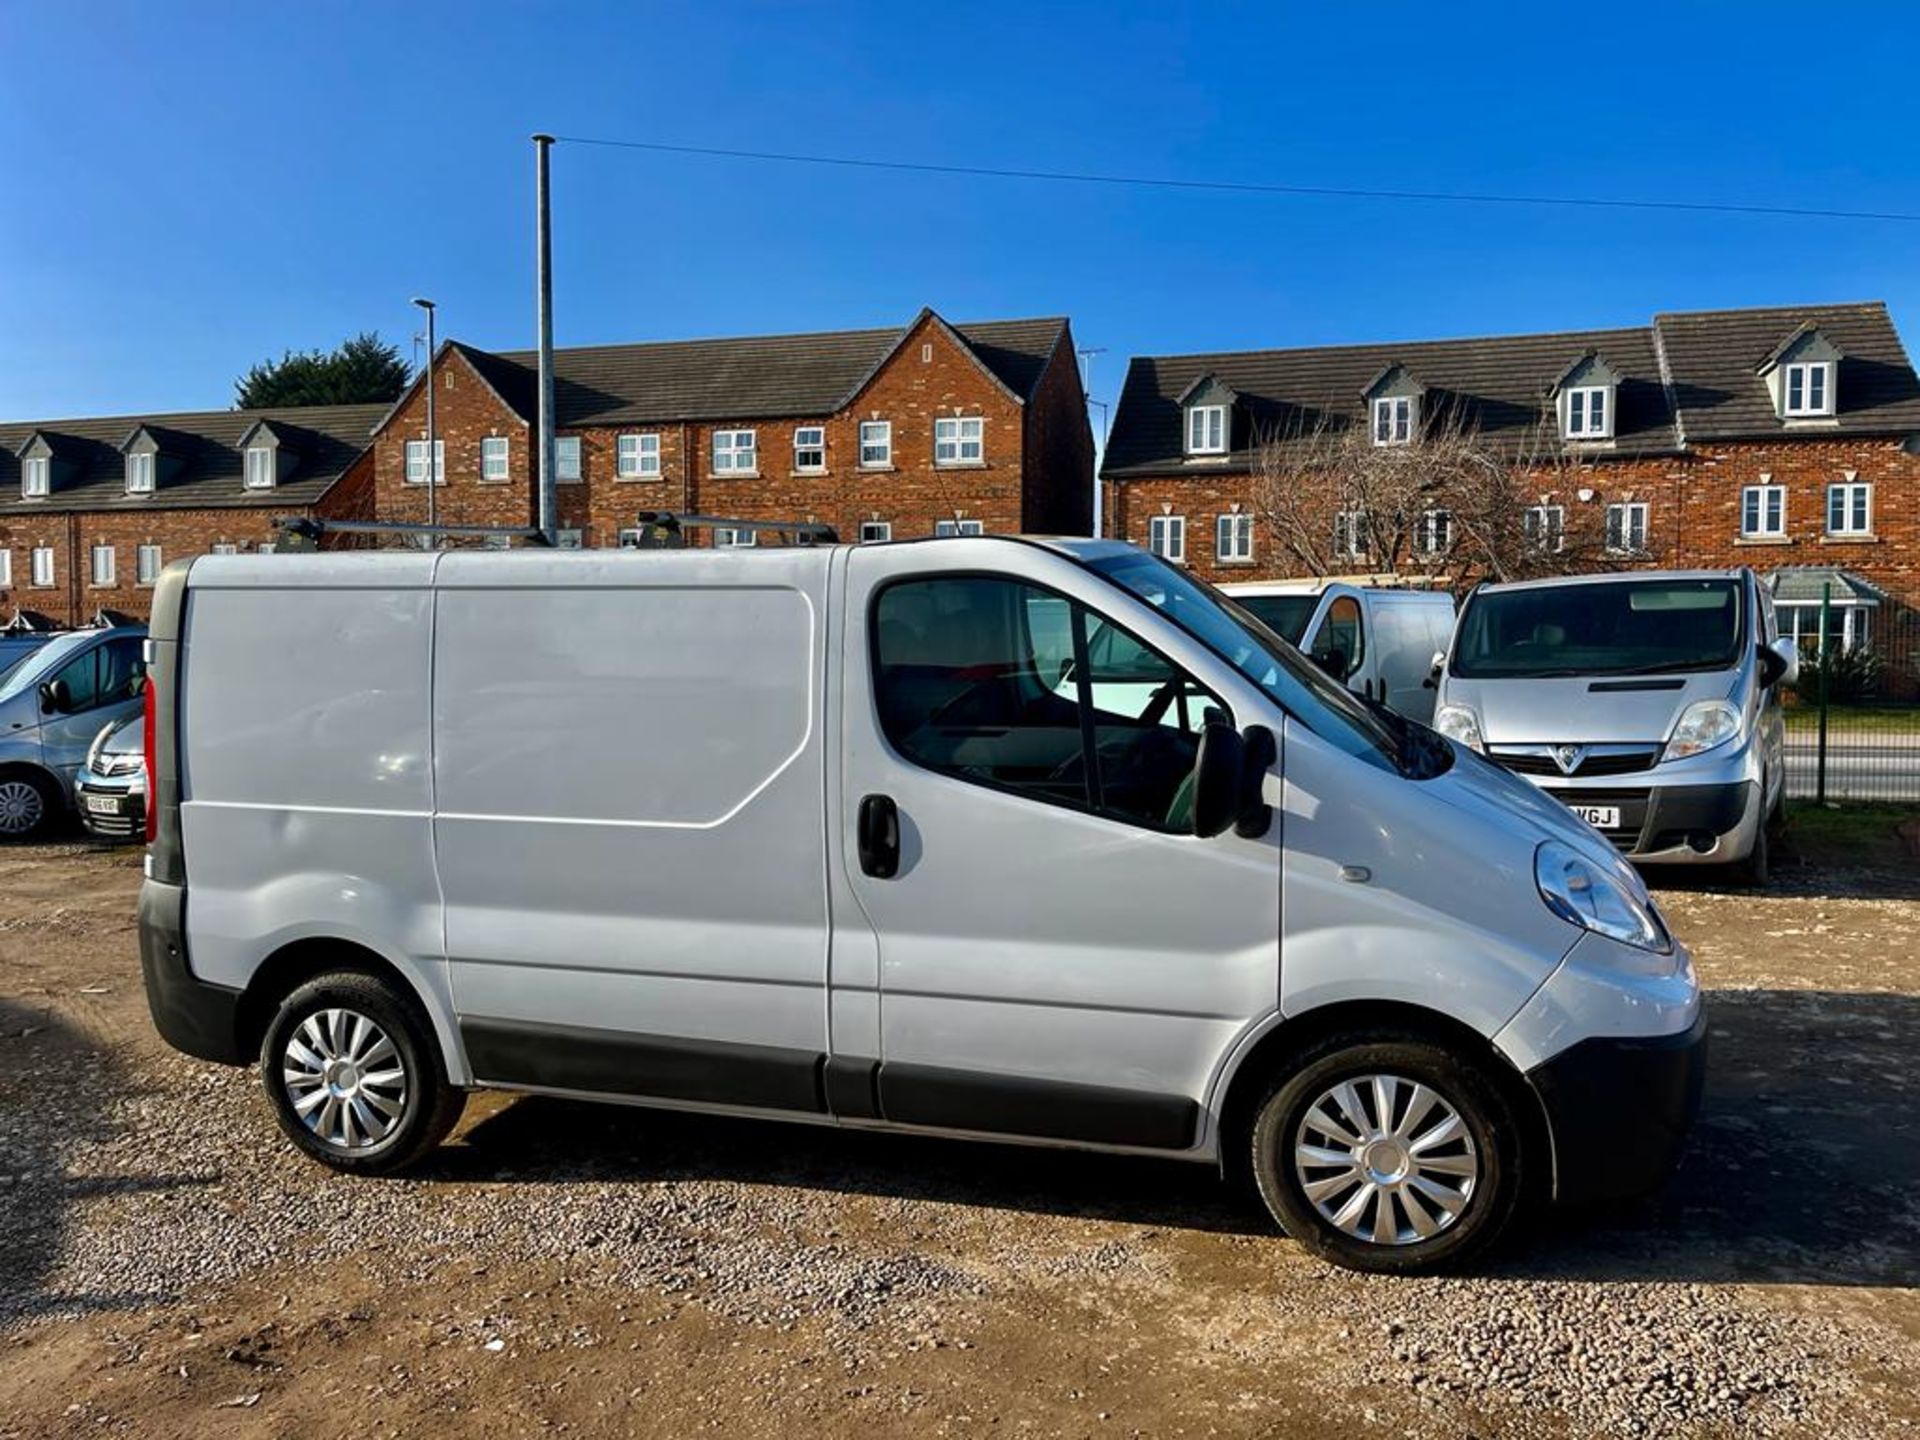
[1206, 429]
[948, 529]
[223, 547]
[875, 532]
[725, 539]
[569, 539]
[259, 471]
[496, 542]
[1394, 419]
[1542, 522]
[102, 562]
[1807, 373]
[956, 435]
[140, 473]
[1233, 538]
[1800, 620]
[416, 453]
[146, 573]
[36, 477]
[1435, 533]
[634, 458]
[1582, 401]
[496, 458]
[1761, 530]
[730, 448]
[818, 446]
[1633, 515]
[876, 444]
[6, 568]
[1350, 534]
[44, 571]
[1167, 537]
[569, 459]
[267, 547]
[1849, 492]
[629, 538]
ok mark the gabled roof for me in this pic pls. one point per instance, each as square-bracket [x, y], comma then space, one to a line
[1385, 373]
[1805, 582]
[1497, 385]
[208, 443]
[1785, 347]
[1586, 357]
[748, 377]
[1200, 382]
[1721, 395]
[165, 439]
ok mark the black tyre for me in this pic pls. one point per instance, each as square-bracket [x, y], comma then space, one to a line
[1387, 1151]
[355, 1076]
[29, 804]
[1757, 868]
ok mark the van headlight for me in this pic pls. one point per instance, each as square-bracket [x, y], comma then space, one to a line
[1594, 898]
[1457, 722]
[1703, 725]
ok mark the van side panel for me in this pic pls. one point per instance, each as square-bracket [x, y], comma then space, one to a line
[630, 780]
[304, 778]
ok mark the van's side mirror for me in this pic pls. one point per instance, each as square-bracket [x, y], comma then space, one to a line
[1779, 662]
[1432, 682]
[1229, 773]
[55, 697]
[1334, 661]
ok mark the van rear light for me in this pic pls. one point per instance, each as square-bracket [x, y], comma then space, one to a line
[148, 726]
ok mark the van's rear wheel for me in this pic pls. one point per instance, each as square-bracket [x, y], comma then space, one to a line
[1389, 1152]
[28, 804]
[354, 1075]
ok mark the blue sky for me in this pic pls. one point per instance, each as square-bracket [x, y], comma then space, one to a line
[194, 187]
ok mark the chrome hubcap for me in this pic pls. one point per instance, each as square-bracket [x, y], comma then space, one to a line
[345, 1079]
[1385, 1159]
[20, 807]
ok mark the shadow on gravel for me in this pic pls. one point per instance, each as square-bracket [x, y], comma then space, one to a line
[55, 1086]
[1804, 1168]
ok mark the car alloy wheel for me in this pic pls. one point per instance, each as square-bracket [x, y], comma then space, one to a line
[22, 807]
[344, 1079]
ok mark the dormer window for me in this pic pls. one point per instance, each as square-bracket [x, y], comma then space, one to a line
[1809, 389]
[1207, 430]
[259, 468]
[36, 477]
[140, 473]
[1393, 420]
[1589, 416]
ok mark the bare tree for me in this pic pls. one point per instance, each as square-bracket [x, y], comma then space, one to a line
[1455, 506]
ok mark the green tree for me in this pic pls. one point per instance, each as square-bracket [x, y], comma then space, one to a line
[363, 369]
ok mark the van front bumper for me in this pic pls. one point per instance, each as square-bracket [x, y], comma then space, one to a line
[1619, 1109]
[191, 1015]
[1709, 824]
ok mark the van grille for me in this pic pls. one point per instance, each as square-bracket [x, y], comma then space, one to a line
[1617, 762]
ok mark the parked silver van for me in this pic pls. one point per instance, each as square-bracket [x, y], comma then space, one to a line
[1379, 639]
[53, 704]
[861, 863]
[1649, 702]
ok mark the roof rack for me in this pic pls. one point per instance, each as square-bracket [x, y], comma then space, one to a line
[312, 528]
[667, 529]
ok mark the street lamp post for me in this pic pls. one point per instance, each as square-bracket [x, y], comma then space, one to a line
[433, 436]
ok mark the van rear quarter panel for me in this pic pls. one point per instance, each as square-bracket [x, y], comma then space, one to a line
[629, 765]
[306, 791]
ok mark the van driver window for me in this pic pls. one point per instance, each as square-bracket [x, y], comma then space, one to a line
[979, 678]
[1341, 637]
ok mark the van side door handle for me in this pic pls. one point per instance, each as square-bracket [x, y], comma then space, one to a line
[879, 837]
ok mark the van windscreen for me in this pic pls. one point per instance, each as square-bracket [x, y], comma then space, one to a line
[1624, 627]
[1285, 615]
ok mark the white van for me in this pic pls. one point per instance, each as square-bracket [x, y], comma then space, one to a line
[1381, 640]
[859, 863]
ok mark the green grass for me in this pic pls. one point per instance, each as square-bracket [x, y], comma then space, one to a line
[1853, 834]
[1856, 719]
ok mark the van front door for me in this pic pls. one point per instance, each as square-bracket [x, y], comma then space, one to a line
[1054, 952]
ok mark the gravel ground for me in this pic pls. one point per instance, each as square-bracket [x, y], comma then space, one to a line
[167, 1261]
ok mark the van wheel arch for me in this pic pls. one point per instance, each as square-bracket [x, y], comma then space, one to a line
[291, 966]
[1276, 1052]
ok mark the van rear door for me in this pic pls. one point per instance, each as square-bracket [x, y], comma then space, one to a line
[1052, 951]
[629, 785]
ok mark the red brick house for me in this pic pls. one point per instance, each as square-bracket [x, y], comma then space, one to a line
[880, 433]
[91, 509]
[1787, 439]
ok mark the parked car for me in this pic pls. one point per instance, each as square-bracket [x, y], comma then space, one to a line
[53, 705]
[860, 863]
[1648, 702]
[1379, 640]
[110, 791]
[15, 648]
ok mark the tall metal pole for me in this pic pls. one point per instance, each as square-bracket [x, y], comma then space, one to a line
[549, 520]
[433, 431]
[1826, 669]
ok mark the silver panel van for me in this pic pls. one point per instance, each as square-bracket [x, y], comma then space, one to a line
[1379, 639]
[1649, 702]
[864, 862]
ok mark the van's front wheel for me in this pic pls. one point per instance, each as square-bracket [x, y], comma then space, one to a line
[1388, 1152]
[354, 1076]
